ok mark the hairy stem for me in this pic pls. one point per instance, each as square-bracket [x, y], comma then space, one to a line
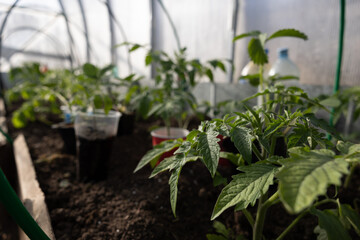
[348, 177]
[249, 217]
[297, 219]
[256, 151]
[292, 224]
[263, 206]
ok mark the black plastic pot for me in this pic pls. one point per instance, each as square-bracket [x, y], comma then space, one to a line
[67, 133]
[126, 124]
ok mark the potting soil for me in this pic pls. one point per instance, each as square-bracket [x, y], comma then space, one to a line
[132, 206]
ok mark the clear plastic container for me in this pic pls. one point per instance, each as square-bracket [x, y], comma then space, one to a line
[96, 125]
[95, 134]
[283, 66]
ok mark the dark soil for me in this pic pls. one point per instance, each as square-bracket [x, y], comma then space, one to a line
[132, 206]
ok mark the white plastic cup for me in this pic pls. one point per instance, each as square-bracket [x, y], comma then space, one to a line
[95, 133]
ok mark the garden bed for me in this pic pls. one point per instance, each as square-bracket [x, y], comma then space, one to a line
[131, 206]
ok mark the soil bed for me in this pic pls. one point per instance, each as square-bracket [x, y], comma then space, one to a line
[132, 206]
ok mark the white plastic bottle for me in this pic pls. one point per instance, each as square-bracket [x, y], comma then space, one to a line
[283, 66]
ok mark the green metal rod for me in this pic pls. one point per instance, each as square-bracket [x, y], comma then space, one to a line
[340, 54]
[18, 212]
[7, 136]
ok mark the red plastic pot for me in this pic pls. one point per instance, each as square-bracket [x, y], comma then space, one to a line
[160, 134]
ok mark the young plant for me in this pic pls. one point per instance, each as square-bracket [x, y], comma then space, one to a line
[257, 53]
[45, 92]
[289, 151]
[175, 78]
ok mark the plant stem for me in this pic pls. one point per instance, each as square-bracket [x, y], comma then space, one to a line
[264, 204]
[171, 24]
[260, 219]
[348, 177]
[261, 85]
[256, 151]
[249, 217]
[296, 220]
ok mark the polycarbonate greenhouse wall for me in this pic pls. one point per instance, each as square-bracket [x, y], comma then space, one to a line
[68, 33]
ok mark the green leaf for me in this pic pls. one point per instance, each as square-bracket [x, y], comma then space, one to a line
[18, 120]
[90, 70]
[323, 125]
[288, 33]
[350, 217]
[148, 59]
[215, 237]
[241, 137]
[245, 188]
[332, 101]
[343, 147]
[331, 224]
[256, 52]
[219, 180]
[221, 229]
[209, 73]
[98, 101]
[173, 182]
[156, 152]
[164, 165]
[306, 175]
[209, 149]
[108, 104]
[249, 34]
[134, 47]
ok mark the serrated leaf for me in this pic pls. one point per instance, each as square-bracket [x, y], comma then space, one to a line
[350, 217]
[173, 182]
[221, 229]
[190, 137]
[323, 125]
[241, 137]
[209, 149]
[331, 224]
[156, 152]
[164, 165]
[184, 147]
[306, 175]
[256, 52]
[343, 147]
[245, 188]
[249, 34]
[288, 33]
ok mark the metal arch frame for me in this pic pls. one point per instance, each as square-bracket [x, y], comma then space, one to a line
[71, 39]
[49, 36]
[1, 36]
[86, 30]
[112, 19]
[233, 28]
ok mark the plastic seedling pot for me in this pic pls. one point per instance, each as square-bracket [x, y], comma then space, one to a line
[95, 133]
[160, 134]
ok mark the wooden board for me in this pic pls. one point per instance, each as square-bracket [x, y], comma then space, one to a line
[30, 192]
